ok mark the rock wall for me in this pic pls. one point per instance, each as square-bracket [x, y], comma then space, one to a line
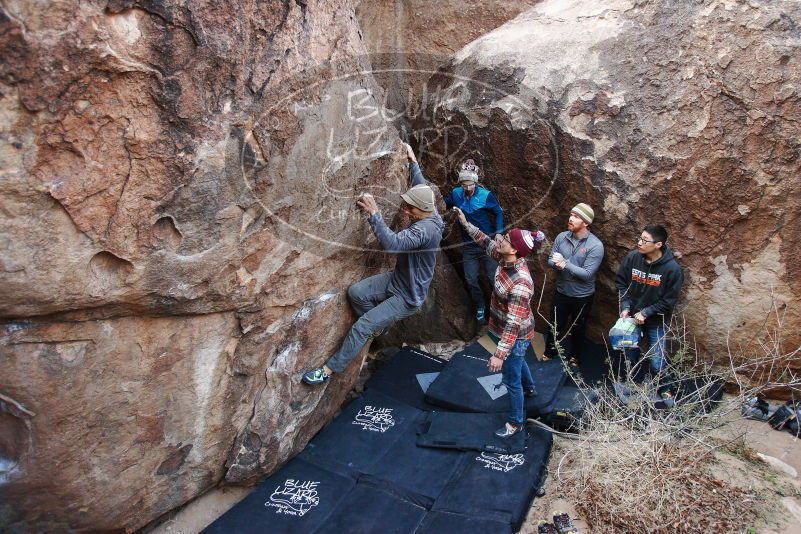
[408, 40]
[177, 186]
[683, 113]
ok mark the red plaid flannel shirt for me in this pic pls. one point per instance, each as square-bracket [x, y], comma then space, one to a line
[510, 308]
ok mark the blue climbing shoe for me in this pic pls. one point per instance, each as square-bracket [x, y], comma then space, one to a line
[315, 377]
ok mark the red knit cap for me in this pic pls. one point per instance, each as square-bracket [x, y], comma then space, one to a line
[524, 241]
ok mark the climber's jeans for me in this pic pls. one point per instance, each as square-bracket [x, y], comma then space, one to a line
[377, 309]
[516, 376]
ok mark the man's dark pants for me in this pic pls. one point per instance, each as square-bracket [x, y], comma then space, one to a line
[473, 256]
[570, 314]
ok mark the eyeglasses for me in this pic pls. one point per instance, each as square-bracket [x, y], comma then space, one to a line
[643, 240]
[502, 236]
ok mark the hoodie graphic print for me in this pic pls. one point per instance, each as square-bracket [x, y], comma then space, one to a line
[650, 288]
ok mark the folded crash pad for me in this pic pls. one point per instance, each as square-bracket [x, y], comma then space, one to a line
[500, 487]
[465, 385]
[468, 431]
[406, 376]
[360, 436]
[298, 498]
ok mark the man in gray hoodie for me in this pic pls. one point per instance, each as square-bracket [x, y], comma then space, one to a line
[381, 300]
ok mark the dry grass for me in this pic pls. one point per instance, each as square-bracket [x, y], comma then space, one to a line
[634, 468]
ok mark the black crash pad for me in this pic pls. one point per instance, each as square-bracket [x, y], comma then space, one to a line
[298, 498]
[569, 407]
[447, 523]
[499, 487]
[360, 436]
[702, 393]
[465, 385]
[414, 469]
[406, 376]
[371, 508]
[468, 431]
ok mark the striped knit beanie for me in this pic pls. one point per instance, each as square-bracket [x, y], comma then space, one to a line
[584, 211]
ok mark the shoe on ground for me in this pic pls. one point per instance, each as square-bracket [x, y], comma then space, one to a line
[530, 392]
[543, 527]
[508, 430]
[481, 315]
[755, 408]
[315, 377]
[563, 523]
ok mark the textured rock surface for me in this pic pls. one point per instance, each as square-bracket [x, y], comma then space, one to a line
[177, 231]
[410, 39]
[682, 113]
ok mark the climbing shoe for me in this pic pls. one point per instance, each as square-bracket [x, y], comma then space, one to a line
[315, 376]
[481, 314]
[530, 392]
[508, 430]
[543, 527]
[563, 523]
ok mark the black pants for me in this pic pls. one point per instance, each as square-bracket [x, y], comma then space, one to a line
[570, 314]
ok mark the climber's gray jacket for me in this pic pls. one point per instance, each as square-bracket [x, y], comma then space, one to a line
[417, 247]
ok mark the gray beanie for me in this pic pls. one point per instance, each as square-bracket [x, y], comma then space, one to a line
[420, 196]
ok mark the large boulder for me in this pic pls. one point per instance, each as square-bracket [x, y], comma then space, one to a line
[178, 231]
[681, 113]
[408, 40]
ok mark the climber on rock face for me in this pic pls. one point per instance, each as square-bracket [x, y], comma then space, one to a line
[482, 210]
[381, 300]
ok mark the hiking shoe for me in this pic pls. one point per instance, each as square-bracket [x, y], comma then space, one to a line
[508, 430]
[315, 376]
[563, 523]
[755, 408]
[481, 314]
[530, 392]
[543, 527]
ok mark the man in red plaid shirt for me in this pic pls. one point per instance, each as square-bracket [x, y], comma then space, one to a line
[511, 323]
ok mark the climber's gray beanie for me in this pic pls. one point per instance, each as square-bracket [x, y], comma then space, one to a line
[420, 196]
